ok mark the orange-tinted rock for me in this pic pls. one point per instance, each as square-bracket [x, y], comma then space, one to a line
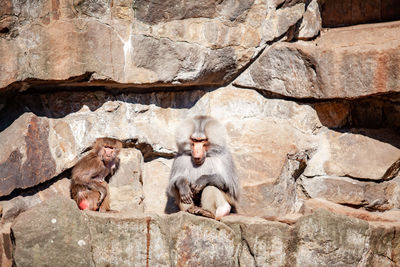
[6, 248]
[342, 63]
[125, 42]
[312, 205]
[350, 192]
[350, 12]
[333, 114]
[357, 155]
[30, 161]
[362, 154]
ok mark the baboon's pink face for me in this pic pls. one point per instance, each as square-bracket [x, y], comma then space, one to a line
[108, 153]
[199, 150]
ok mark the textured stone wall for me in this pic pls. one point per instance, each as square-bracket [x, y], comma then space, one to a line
[312, 114]
[350, 12]
[76, 238]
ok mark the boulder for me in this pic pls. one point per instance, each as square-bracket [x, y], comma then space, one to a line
[125, 185]
[53, 233]
[347, 191]
[341, 63]
[338, 151]
[26, 159]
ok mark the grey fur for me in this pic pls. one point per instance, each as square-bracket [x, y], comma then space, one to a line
[218, 168]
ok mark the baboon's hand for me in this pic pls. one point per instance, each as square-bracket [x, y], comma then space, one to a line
[184, 191]
[187, 197]
[198, 185]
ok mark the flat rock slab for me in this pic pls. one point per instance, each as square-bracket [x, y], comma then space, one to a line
[347, 62]
[141, 43]
[127, 42]
[337, 153]
[347, 191]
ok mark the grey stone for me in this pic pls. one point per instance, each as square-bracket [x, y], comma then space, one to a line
[53, 233]
[311, 23]
[126, 192]
[326, 239]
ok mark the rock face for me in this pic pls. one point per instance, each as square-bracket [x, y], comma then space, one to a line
[312, 116]
[71, 37]
[349, 12]
[126, 185]
[63, 233]
[186, 240]
[35, 163]
[342, 63]
[273, 142]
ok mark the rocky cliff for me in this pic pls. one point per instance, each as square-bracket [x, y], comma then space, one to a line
[312, 113]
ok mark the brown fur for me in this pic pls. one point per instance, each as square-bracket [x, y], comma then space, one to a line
[89, 174]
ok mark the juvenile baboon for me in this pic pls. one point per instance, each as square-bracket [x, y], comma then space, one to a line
[88, 186]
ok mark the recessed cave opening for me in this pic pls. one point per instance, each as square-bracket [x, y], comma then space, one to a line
[336, 13]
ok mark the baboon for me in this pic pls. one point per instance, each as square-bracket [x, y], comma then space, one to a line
[88, 186]
[203, 178]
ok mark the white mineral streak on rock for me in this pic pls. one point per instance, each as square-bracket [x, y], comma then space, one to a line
[315, 166]
[128, 50]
